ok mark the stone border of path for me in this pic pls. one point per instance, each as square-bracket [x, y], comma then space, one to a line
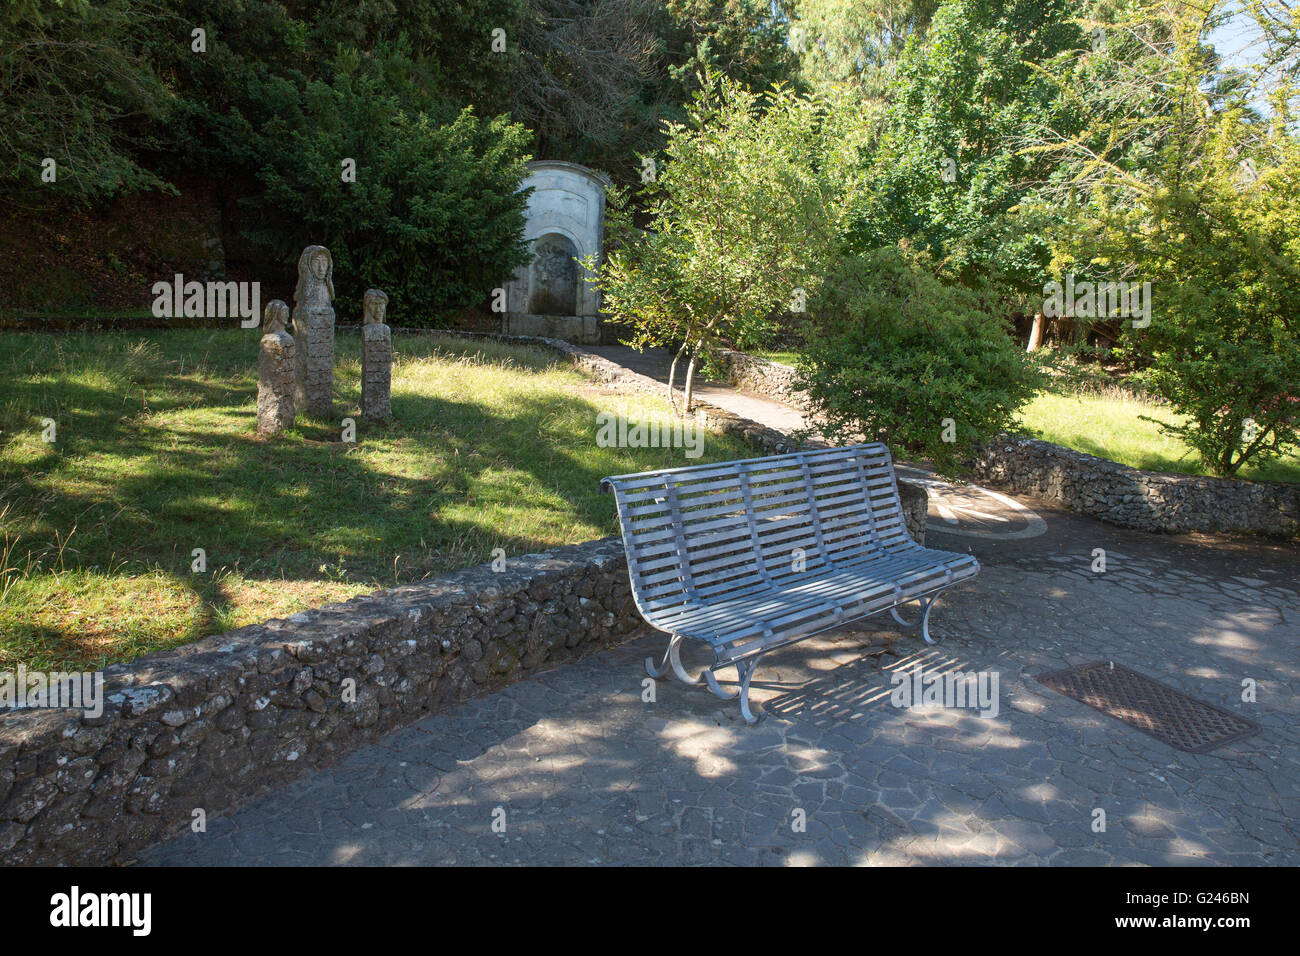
[1112, 492]
[211, 724]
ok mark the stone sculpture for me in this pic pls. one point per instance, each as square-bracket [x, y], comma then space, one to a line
[276, 371]
[313, 332]
[376, 358]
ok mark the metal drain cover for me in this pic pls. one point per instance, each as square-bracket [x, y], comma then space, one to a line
[1152, 707]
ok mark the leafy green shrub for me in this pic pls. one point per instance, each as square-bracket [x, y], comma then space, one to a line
[435, 216]
[898, 356]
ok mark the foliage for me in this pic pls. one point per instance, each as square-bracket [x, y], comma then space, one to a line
[855, 42]
[739, 219]
[76, 88]
[948, 177]
[434, 217]
[1187, 184]
[903, 357]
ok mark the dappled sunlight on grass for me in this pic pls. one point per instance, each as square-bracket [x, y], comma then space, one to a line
[156, 455]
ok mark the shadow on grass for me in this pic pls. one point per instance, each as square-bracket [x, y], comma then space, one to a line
[448, 482]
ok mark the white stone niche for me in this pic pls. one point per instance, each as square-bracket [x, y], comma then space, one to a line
[553, 294]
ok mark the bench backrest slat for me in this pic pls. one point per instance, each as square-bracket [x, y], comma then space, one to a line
[708, 532]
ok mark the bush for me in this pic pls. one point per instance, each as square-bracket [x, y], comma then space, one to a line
[434, 217]
[898, 356]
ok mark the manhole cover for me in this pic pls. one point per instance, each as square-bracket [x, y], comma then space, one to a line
[1150, 706]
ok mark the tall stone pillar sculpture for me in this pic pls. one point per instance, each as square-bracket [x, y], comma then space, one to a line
[376, 358]
[313, 332]
[276, 371]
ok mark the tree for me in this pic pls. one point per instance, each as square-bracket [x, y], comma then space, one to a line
[741, 220]
[856, 42]
[75, 89]
[949, 177]
[435, 215]
[1184, 182]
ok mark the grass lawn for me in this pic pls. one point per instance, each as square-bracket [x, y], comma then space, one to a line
[785, 358]
[492, 446]
[1109, 426]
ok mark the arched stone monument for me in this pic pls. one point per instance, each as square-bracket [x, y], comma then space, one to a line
[376, 358]
[313, 332]
[553, 294]
[276, 371]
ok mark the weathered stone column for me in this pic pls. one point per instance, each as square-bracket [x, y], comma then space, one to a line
[276, 371]
[376, 358]
[313, 332]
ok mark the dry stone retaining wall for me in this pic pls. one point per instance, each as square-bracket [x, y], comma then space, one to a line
[209, 724]
[1132, 498]
[773, 379]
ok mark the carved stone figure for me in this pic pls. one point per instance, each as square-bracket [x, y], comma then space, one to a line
[276, 371]
[376, 358]
[313, 331]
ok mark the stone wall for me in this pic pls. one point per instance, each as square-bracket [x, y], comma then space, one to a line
[1131, 498]
[1115, 493]
[212, 723]
[772, 379]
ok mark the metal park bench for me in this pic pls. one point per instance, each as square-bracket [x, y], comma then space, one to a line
[748, 556]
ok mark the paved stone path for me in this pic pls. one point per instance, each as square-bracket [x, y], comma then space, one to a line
[743, 402]
[582, 770]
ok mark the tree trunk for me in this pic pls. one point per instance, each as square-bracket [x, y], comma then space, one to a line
[1036, 333]
[695, 355]
[690, 383]
[672, 377]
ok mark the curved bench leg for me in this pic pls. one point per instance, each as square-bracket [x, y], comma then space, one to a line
[672, 659]
[662, 668]
[746, 671]
[675, 660]
[716, 689]
[927, 605]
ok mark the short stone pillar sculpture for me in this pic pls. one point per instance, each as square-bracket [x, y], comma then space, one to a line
[276, 371]
[313, 332]
[376, 358]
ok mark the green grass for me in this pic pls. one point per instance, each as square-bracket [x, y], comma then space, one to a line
[492, 446]
[1109, 426]
[785, 358]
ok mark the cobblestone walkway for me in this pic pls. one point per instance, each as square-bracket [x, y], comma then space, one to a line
[582, 770]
